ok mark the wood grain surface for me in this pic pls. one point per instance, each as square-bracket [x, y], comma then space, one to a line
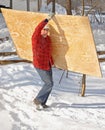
[72, 39]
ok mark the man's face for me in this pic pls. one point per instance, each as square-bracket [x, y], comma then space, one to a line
[44, 32]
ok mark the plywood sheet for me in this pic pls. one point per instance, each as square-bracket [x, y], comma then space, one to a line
[72, 39]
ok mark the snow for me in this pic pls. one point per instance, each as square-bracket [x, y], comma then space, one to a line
[20, 83]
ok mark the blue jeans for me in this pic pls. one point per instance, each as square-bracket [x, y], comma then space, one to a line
[46, 76]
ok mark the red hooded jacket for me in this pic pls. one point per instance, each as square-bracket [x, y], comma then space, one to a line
[41, 48]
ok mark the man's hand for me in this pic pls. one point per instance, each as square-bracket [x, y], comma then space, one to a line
[53, 66]
[50, 16]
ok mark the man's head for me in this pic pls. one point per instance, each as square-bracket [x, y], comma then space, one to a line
[45, 30]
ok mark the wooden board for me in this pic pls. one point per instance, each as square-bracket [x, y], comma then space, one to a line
[72, 39]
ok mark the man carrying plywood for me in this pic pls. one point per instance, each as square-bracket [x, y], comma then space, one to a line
[42, 61]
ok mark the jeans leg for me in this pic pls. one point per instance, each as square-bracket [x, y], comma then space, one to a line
[46, 77]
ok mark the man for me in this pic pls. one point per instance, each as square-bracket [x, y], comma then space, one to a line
[42, 61]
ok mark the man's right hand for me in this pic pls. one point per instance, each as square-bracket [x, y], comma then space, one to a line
[50, 16]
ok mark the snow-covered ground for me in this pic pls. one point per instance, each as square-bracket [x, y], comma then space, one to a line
[19, 84]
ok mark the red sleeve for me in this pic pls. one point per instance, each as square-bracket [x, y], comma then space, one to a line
[51, 60]
[39, 27]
